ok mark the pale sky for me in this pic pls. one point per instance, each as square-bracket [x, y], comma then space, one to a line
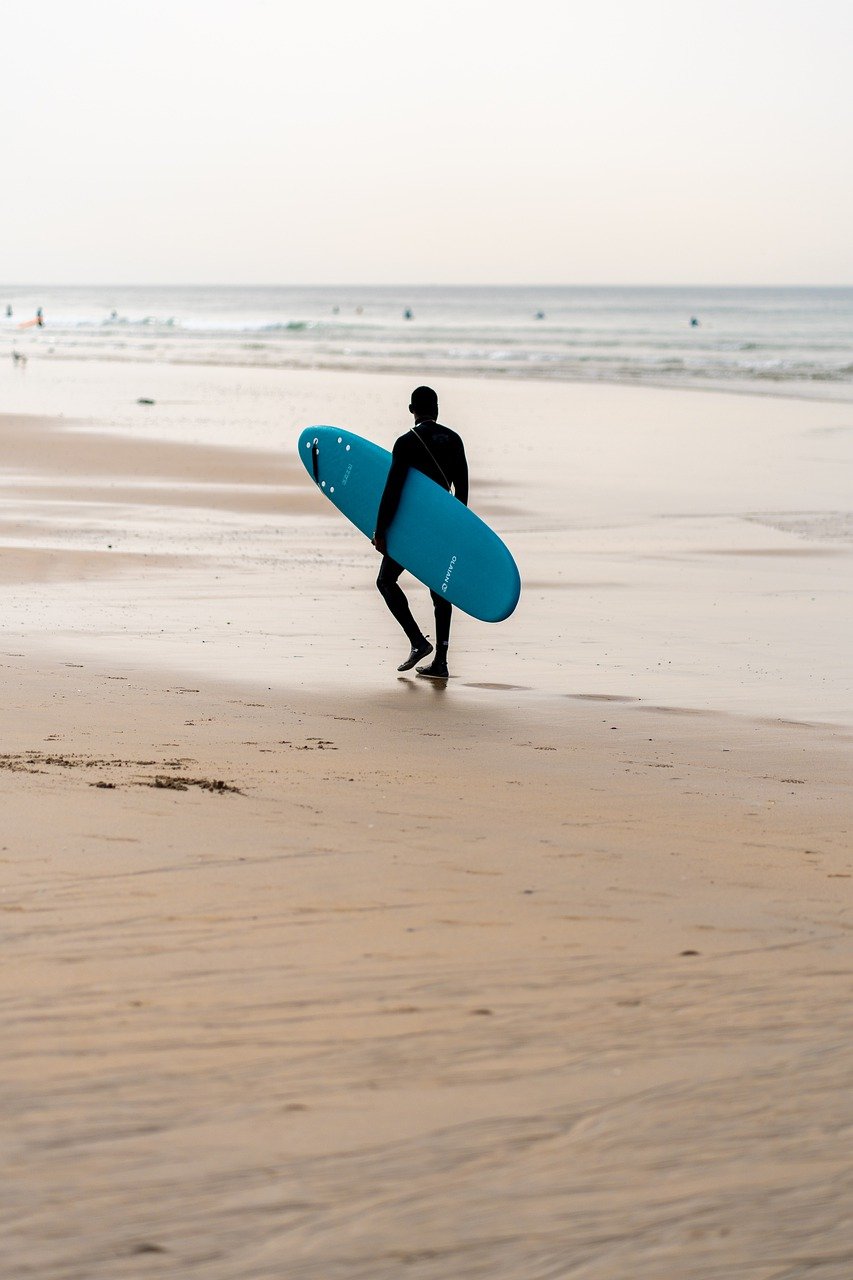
[332, 141]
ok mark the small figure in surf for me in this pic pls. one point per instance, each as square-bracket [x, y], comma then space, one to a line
[440, 454]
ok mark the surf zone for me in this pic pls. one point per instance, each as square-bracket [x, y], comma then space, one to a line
[449, 572]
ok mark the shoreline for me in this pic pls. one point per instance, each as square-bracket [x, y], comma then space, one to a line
[778, 390]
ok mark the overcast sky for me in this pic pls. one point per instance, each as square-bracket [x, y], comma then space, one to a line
[263, 141]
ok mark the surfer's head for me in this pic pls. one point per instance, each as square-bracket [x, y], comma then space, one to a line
[424, 403]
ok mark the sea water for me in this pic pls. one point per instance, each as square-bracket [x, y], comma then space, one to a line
[782, 340]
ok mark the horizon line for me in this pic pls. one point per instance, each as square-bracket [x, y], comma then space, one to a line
[407, 284]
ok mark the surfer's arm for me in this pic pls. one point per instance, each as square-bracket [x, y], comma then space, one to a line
[391, 494]
[460, 480]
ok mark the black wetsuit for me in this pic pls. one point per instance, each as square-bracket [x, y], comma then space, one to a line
[440, 454]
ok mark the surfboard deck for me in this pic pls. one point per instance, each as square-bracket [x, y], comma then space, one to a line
[442, 543]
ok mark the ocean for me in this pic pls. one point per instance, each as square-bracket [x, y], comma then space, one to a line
[793, 341]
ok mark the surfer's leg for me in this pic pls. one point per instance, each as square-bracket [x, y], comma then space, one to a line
[396, 601]
[437, 669]
[443, 613]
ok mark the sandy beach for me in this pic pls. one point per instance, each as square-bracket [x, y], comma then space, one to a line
[315, 971]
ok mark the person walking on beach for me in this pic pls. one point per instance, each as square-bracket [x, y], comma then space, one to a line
[440, 454]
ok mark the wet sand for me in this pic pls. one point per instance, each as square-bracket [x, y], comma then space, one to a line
[687, 548]
[314, 971]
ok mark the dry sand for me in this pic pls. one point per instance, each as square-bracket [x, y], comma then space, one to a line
[323, 973]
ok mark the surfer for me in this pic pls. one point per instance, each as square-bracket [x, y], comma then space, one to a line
[440, 454]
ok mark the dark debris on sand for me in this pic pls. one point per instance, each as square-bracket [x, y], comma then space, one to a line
[42, 762]
[173, 782]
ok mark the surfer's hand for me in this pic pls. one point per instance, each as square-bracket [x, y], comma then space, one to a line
[379, 543]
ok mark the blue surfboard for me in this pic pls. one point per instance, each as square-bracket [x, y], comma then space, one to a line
[440, 541]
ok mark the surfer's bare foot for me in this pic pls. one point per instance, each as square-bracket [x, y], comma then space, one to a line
[419, 650]
[435, 671]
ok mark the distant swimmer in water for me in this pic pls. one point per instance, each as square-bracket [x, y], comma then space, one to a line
[440, 454]
[18, 359]
[40, 318]
[407, 314]
[540, 315]
[9, 310]
[694, 323]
